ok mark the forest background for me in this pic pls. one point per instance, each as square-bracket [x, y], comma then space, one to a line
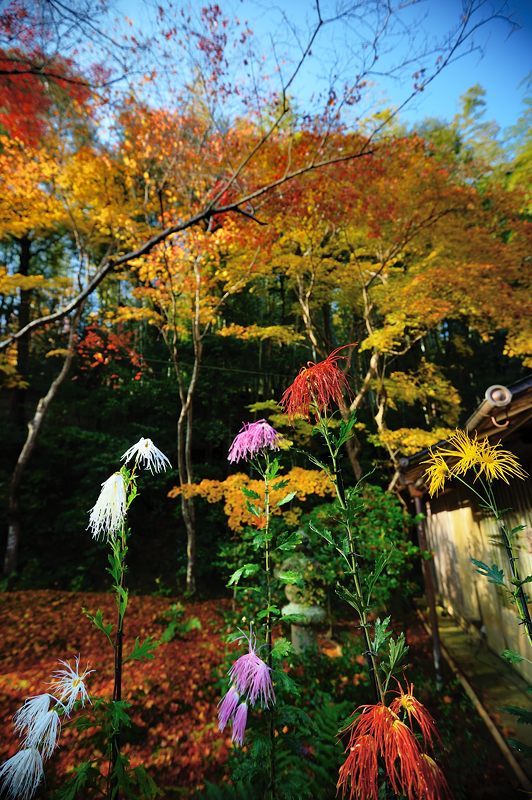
[180, 231]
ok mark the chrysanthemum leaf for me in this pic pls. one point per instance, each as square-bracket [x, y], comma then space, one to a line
[292, 577]
[98, 621]
[511, 656]
[286, 499]
[250, 493]
[282, 648]
[291, 542]
[143, 651]
[243, 572]
[493, 573]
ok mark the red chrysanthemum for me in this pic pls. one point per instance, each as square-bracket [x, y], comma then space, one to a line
[317, 387]
[360, 772]
[415, 710]
[431, 783]
[379, 733]
[401, 758]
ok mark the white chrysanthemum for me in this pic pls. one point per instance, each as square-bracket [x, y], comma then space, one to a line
[21, 775]
[149, 456]
[108, 514]
[69, 683]
[31, 712]
[44, 733]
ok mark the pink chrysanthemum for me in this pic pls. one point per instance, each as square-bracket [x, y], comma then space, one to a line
[251, 439]
[251, 675]
[239, 723]
[227, 707]
[317, 387]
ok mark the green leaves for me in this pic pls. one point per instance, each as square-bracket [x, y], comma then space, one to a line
[143, 651]
[269, 611]
[177, 626]
[282, 649]
[350, 598]
[345, 432]
[493, 573]
[381, 634]
[253, 509]
[97, 621]
[374, 576]
[291, 576]
[511, 656]
[117, 715]
[323, 532]
[292, 541]
[523, 715]
[243, 572]
[286, 499]
[83, 776]
[250, 493]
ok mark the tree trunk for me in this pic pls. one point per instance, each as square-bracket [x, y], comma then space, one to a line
[34, 427]
[18, 398]
[184, 434]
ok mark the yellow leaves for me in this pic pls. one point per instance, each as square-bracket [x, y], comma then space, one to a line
[58, 351]
[11, 284]
[519, 344]
[408, 441]
[27, 198]
[426, 386]
[278, 334]
[302, 481]
[137, 314]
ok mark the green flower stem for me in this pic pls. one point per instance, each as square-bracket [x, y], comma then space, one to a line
[119, 551]
[269, 637]
[352, 560]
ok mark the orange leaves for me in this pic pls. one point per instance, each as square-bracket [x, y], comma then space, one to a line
[304, 482]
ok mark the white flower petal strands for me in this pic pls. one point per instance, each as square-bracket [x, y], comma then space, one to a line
[31, 712]
[69, 683]
[108, 514]
[44, 733]
[21, 775]
[147, 456]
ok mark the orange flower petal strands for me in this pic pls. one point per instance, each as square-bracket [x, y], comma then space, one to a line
[401, 759]
[359, 774]
[379, 732]
[317, 385]
[431, 781]
[417, 711]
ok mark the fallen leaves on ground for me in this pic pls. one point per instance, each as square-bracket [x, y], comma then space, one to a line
[173, 696]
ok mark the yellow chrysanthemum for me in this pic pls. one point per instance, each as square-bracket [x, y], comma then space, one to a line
[437, 472]
[496, 463]
[464, 448]
[489, 461]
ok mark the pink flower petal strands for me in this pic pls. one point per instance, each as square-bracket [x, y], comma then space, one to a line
[239, 723]
[250, 674]
[227, 707]
[251, 682]
[317, 387]
[251, 439]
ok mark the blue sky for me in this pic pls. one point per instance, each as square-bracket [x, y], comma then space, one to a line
[501, 66]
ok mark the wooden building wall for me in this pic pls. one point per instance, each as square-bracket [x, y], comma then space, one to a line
[458, 530]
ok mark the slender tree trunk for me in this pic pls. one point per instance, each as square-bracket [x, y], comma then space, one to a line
[18, 397]
[34, 427]
[184, 434]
